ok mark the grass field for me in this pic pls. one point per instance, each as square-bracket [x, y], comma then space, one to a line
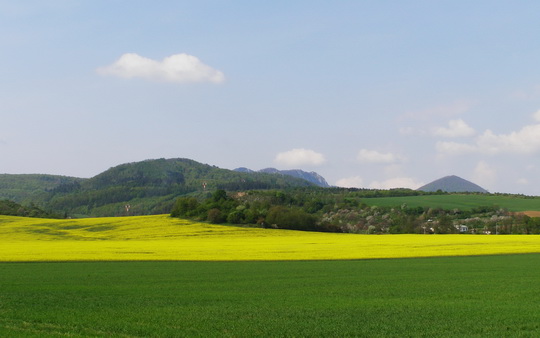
[155, 238]
[457, 201]
[484, 296]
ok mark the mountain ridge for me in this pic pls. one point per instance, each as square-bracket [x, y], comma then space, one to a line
[312, 176]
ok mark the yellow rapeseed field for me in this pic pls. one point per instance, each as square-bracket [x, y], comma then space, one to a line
[165, 238]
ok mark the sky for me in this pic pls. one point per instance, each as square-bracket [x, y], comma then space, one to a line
[369, 94]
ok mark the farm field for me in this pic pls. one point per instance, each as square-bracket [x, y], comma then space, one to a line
[458, 201]
[487, 296]
[162, 238]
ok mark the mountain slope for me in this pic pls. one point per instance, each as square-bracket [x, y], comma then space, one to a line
[312, 177]
[452, 184]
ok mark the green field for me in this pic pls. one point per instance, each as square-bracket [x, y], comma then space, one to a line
[462, 296]
[458, 201]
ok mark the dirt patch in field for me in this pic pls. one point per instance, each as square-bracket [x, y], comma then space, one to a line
[532, 213]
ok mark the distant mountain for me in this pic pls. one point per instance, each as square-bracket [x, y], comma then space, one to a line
[139, 188]
[244, 170]
[312, 177]
[452, 184]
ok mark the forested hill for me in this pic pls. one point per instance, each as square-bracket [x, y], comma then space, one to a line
[145, 187]
[28, 188]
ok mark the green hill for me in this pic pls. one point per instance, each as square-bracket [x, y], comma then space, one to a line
[147, 187]
[28, 188]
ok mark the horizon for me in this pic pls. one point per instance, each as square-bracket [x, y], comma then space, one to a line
[367, 95]
[259, 170]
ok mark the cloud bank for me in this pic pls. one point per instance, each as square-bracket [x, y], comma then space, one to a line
[524, 141]
[299, 157]
[178, 68]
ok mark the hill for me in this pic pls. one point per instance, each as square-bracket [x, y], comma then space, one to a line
[452, 184]
[27, 188]
[139, 188]
[312, 176]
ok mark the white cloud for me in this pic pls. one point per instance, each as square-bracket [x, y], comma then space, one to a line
[299, 157]
[351, 182]
[397, 182]
[373, 156]
[456, 128]
[179, 68]
[524, 141]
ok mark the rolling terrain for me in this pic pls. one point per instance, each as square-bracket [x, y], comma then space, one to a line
[153, 187]
[148, 187]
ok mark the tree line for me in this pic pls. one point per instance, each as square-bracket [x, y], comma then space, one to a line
[342, 210]
[10, 208]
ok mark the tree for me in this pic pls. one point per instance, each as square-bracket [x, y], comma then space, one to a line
[219, 195]
[287, 218]
[215, 216]
[185, 207]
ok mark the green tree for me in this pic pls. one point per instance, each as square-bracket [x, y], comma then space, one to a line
[185, 207]
[215, 216]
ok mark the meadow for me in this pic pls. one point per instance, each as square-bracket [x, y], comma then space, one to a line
[482, 296]
[163, 238]
[459, 201]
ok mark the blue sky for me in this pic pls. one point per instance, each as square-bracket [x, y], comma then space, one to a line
[374, 94]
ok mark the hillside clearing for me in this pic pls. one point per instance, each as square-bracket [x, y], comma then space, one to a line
[162, 238]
